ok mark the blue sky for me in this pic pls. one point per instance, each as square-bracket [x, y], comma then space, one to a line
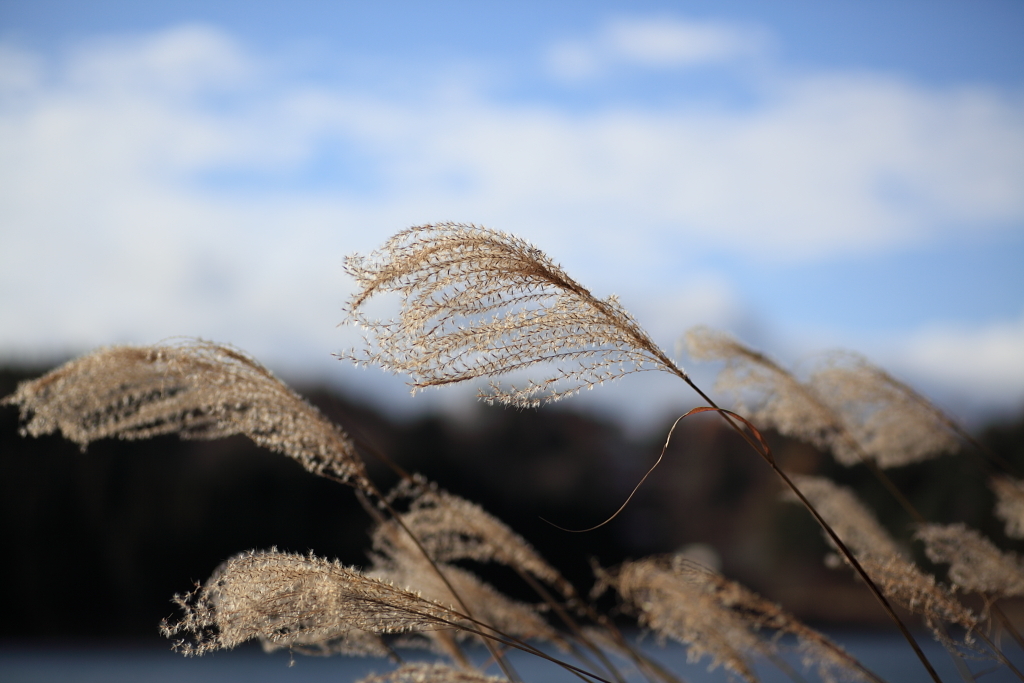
[808, 175]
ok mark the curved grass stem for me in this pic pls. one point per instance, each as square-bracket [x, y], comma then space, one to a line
[761, 447]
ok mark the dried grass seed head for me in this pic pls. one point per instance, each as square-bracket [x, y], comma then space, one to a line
[479, 303]
[196, 389]
[771, 396]
[975, 564]
[857, 526]
[684, 610]
[451, 528]
[283, 598]
[399, 561]
[897, 577]
[685, 601]
[324, 643]
[892, 423]
[1010, 504]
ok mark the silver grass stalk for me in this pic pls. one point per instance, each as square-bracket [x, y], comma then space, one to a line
[771, 396]
[975, 564]
[430, 673]
[1010, 504]
[283, 598]
[479, 303]
[891, 422]
[399, 561]
[721, 619]
[452, 528]
[898, 578]
[196, 389]
[679, 610]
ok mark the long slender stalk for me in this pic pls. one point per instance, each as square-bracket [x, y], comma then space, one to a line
[1000, 656]
[372, 489]
[491, 634]
[1007, 624]
[761, 448]
[952, 424]
[893, 490]
[500, 660]
[643, 663]
[569, 622]
[958, 661]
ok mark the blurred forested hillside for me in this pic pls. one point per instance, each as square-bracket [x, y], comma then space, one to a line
[97, 542]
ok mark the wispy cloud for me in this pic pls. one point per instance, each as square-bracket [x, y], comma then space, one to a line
[179, 183]
[985, 361]
[654, 43]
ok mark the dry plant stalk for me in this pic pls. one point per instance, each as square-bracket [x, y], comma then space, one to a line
[849, 406]
[771, 396]
[451, 528]
[898, 577]
[975, 564]
[721, 619]
[1010, 504]
[196, 389]
[479, 303]
[399, 561]
[284, 598]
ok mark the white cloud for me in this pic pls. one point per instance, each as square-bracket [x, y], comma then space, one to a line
[672, 43]
[985, 362]
[110, 232]
[175, 62]
[654, 43]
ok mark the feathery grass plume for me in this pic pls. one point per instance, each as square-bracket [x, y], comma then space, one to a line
[479, 303]
[684, 611]
[900, 580]
[771, 396]
[349, 643]
[891, 422]
[975, 564]
[714, 616]
[284, 598]
[197, 389]
[430, 673]
[1010, 504]
[452, 528]
[399, 561]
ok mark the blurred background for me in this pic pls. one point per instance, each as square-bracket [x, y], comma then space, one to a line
[805, 175]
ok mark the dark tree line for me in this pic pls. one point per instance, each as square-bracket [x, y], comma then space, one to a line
[96, 543]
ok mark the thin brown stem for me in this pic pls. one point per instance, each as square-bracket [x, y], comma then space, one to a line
[1007, 624]
[952, 424]
[860, 570]
[372, 489]
[783, 666]
[761, 448]
[570, 623]
[640, 659]
[502, 663]
[1000, 656]
[492, 634]
[891, 487]
[958, 660]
